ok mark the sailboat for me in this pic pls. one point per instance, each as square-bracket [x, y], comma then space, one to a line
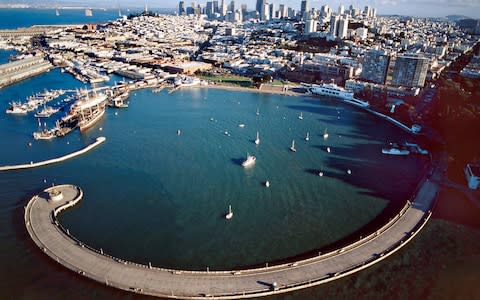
[57, 13]
[257, 140]
[292, 148]
[300, 116]
[229, 215]
[325, 134]
[307, 138]
[258, 112]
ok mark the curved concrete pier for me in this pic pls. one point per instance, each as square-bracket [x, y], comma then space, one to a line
[97, 142]
[57, 242]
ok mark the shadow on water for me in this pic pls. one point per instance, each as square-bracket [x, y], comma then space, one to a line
[237, 161]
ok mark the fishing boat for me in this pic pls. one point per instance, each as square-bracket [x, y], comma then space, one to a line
[119, 101]
[292, 148]
[325, 134]
[16, 108]
[249, 161]
[229, 215]
[307, 138]
[45, 134]
[300, 116]
[46, 112]
[257, 140]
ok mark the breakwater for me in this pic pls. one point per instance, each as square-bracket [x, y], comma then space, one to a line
[32, 164]
[58, 243]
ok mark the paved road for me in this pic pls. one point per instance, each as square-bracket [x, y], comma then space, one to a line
[42, 226]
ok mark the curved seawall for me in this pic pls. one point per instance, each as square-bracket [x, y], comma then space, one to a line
[58, 243]
[97, 142]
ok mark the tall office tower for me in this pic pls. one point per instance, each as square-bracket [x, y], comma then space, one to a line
[282, 11]
[333, 25]
[374, 13]
[304, 7]
[341, 9]
[368, 12]
[181, 8]
[324, 11]
[260, 5]
[342, 29]
[375, 66]
[410, 71]
[243, 7]
[216, 9]
[271, 11]
[231, 7]
[310, 26]
[264, 13]
[209, 11]
[223, 8]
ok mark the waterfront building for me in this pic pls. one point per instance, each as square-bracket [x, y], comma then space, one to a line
[21, 69]
[375, 66]
[410, 71]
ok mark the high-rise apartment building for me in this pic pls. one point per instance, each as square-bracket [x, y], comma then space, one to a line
[375, 66]
[410, 71]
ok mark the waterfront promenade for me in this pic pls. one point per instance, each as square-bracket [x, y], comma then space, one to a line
[32, 164]
[57, 242]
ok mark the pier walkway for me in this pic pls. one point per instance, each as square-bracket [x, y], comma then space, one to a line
[57, 242]
[32, 164]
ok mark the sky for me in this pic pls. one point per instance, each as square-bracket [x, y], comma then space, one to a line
[420, 8]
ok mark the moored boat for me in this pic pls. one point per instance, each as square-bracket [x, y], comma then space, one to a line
[249, 161]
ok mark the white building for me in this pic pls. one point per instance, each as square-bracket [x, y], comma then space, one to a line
[310, 26]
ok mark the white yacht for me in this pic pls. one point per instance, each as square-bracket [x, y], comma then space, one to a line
[307, 138]
[292, 148]
[229, 215]
[241, 125]
[257, 140]
[334, 90]
[249, 161]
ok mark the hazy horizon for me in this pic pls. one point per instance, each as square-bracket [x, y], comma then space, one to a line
[419, 8]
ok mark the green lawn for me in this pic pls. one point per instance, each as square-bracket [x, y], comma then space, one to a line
[228, 79]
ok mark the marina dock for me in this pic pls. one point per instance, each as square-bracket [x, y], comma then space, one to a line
[31, 165]
[59, 243]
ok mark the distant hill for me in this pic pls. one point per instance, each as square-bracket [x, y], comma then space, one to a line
[457, 17]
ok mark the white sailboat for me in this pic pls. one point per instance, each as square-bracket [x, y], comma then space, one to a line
[292, 148]
[57, 13]
[258, 112]
[325, 134]
[301, 116]
[229, 215]
[307, 138]
[257, 140]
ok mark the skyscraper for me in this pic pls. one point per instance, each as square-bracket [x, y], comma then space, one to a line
[375, 66]
[223, 8]
[333, 25]
[310, 26]
[264, 12]
[410, 71]
[260, 5]
[209, 10]
[271, 11]
[342, 27]
[304, 7]
[181, 8]
[232, 6]
[216, 10]
[341, 9]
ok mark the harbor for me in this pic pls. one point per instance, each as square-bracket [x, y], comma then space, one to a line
[53, 239]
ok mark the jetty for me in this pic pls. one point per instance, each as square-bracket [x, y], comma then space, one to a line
[61, 245]
[32, 164]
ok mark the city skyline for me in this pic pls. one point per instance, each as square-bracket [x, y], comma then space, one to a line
[422, 8]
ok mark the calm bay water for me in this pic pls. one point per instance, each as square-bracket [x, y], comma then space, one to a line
[151, 195]
[17, 17]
